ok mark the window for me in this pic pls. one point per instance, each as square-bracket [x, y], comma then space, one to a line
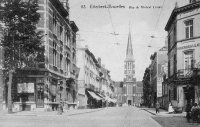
[67, 66]
[175, 93]
[169, 67]
[61, 33]
[174, 33]
[61, 61]
[68, 38]
[54, 23]
[175, 62]
[188, 60]
[189, 29]
[54, 54]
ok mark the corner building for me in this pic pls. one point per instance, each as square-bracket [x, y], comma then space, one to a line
[54, 80]
[129, 87]
[183, 55]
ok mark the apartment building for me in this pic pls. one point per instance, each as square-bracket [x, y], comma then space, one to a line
[183, 54]
[53, 80]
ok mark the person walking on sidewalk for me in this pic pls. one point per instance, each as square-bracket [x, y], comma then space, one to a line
[157, 107]
[170, 108]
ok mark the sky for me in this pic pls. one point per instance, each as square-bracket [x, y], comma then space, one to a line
[97, 25]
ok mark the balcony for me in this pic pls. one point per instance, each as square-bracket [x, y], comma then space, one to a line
[183, 76]
[185, 73]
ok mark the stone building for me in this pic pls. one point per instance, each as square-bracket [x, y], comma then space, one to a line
[106, 88]
[95, 87]
[183, 54]
[139, 93]
[119, 93]
[157, 71]
[88, 79]
[129, 75]
[54, 80]
[1, 68]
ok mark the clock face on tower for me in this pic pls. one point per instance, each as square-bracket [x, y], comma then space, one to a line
[129, 78]
[129, 72]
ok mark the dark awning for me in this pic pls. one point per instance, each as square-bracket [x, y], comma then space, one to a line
[94, 95]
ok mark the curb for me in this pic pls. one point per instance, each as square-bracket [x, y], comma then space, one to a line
[163, 115]
[149, 111]
[64, 114]
[83, 112]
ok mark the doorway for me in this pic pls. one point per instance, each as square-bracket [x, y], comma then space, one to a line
[40, 95]
[129, 102]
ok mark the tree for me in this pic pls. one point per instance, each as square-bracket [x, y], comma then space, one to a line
[21, 41]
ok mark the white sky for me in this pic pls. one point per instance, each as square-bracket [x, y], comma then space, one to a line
[95, 26]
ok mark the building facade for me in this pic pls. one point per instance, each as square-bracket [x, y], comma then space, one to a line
[95, 87]
[129, 75]
[89, 79]
[157, 71]
[139, 93]
[52, 81]
[119, 93]
[183, 54]
[1, 69]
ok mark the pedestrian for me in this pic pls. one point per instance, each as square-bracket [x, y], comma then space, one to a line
[157, 107]
[170, 108]
[194, 112]
[188, 111]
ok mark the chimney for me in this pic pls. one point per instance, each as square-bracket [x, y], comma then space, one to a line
[65, 4]
[192, 1]
[176, 4]
[86, 46]
[99, 60]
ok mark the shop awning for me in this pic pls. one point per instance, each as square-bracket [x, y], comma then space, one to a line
[94, 95]
[100, 95]
[110, 99]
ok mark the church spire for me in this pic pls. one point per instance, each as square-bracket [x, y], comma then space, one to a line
[129, 50]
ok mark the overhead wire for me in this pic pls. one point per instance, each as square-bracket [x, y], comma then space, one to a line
[157, 22]
[114, 33]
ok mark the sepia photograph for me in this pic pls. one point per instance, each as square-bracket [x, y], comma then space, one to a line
[99, 63]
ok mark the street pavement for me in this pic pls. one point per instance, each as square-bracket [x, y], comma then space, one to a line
[105, 117]
[170, 120]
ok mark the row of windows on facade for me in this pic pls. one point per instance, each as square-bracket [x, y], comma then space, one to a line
[58, 60]
[63, 34]
[188, 33]
[188, 55]
[89, 73]
[90, 62]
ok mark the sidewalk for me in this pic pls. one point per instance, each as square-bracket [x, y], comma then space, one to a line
[51, 113]
[164, 112]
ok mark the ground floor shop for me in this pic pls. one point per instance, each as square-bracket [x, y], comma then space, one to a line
[97, 100]
[94, 100]
[32, 89]
[82, 101]
[183, 90]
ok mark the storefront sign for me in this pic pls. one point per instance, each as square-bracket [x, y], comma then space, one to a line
[25, 87]
[189, 46]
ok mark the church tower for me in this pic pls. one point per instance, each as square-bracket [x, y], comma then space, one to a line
[129, 74]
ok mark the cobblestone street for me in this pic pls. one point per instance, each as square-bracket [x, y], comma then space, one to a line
[108, 117]
[174, 122]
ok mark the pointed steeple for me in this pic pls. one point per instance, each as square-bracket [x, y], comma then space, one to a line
[129, 50]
